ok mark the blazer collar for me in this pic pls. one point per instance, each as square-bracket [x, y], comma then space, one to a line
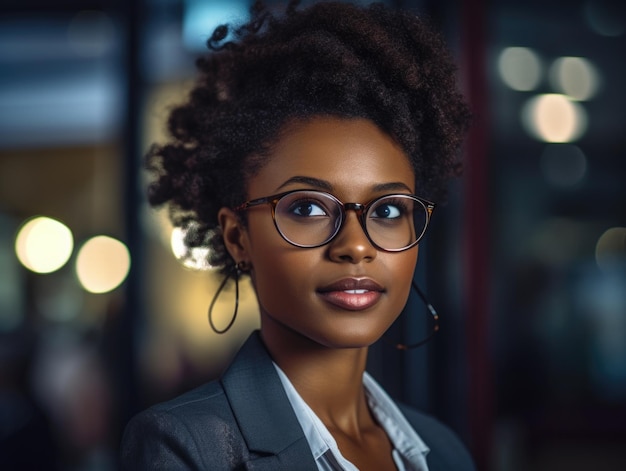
[262, 409]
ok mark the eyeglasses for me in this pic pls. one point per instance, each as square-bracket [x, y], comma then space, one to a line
[310, 218]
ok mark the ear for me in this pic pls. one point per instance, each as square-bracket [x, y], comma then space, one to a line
[234, 234]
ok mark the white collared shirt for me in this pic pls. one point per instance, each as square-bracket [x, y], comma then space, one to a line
[409, 451]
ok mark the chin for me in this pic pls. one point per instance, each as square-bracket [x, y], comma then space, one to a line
[345, 340]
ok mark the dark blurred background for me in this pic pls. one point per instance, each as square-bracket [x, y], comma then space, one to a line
[526, 263]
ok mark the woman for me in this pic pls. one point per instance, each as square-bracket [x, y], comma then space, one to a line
[306, 158]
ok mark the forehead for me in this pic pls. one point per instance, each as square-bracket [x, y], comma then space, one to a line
[352, 155]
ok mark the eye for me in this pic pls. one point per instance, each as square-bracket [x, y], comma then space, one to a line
[388, 210]
[307, 208]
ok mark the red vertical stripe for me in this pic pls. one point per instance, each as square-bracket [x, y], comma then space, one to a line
[476, 233]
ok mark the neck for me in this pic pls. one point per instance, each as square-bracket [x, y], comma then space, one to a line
[330, 380]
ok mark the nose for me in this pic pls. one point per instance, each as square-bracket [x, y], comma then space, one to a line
[351, 244]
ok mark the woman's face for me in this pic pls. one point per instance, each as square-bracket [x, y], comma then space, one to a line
[310, 292]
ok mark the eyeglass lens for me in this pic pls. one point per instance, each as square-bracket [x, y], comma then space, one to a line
[311, 219]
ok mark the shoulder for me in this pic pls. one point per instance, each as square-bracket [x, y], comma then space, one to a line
[244, 419]
[183, 432]
[447, 451]
[206, 399]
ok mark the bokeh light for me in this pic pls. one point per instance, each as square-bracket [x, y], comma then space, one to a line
[520, 68]
[43, 244]
[196, 258]
[611, 248]
[554, 118]
[563, 165]
[102, 264]
[201, 18]
[576, 77]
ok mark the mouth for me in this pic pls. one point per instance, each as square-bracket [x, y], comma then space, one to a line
[352, 294]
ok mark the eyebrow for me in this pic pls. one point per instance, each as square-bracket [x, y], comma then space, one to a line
[327, 186]
[392, 186]
[314, 182]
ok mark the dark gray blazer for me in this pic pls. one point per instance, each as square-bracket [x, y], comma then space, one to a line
[245, 422]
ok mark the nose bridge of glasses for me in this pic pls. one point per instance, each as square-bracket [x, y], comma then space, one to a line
[358, 207]
[359, 210]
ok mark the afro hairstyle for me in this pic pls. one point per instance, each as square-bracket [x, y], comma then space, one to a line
[330, 59]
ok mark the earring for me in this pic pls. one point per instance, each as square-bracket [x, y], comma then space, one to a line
[435, 319]
[239, 269]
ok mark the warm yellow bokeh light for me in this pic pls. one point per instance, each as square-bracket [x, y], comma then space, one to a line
[574, 76]
[519, 68]
[554, 118]
[102, 264]
[177, 243]
[44, 245]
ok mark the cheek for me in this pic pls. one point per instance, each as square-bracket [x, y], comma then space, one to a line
[283, 283]
[402, 265]
[278, 267]
[263, 239]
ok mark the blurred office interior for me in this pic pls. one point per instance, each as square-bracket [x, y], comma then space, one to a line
[526, 263]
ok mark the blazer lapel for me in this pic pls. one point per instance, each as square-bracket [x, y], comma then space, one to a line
[263, 411]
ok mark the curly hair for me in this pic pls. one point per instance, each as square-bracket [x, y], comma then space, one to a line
[333, 59]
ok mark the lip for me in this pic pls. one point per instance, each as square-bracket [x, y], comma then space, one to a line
[352, 294]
